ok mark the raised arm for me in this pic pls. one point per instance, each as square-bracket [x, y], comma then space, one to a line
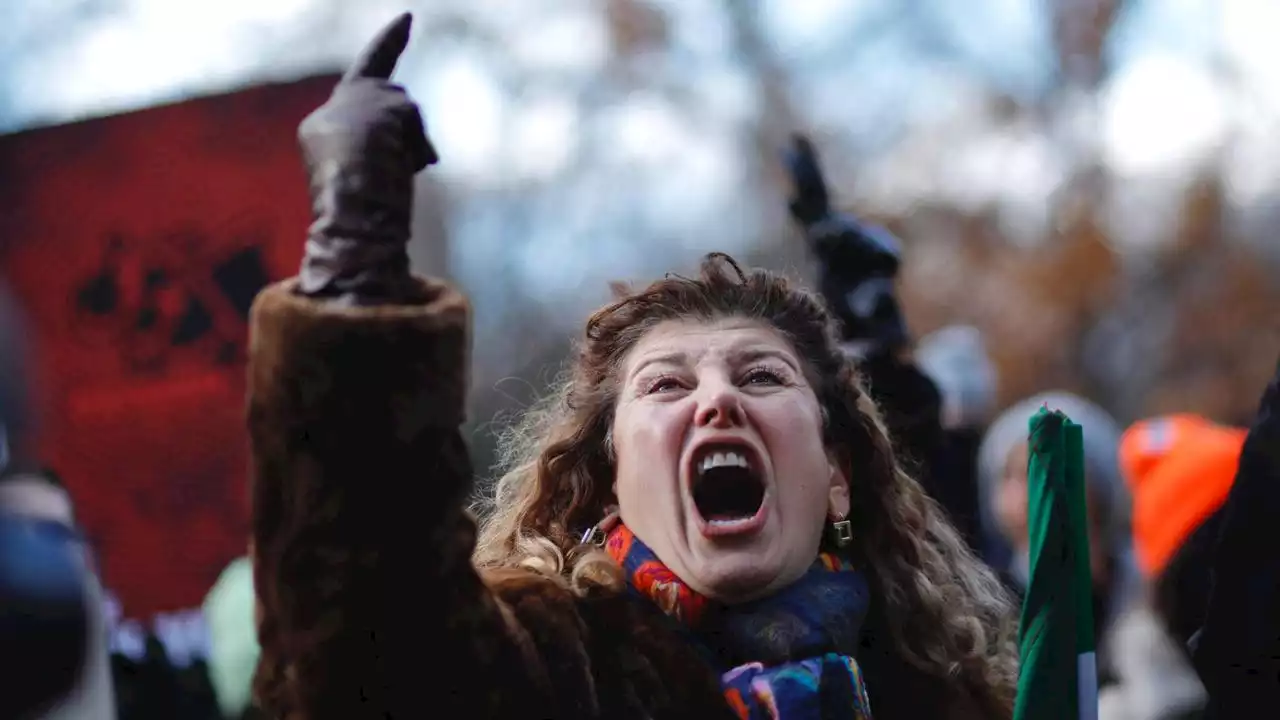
[858, 265]
[369, 604]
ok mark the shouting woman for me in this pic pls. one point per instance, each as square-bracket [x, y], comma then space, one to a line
[706, 520]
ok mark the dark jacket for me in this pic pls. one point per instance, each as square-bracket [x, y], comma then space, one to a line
[1237, 653]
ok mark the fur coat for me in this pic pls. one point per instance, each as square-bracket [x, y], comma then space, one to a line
[363, 550]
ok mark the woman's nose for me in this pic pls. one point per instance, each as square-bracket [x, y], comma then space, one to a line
[721, 408]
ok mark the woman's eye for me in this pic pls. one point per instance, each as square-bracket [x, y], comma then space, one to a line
[762, 376]
[664, 385]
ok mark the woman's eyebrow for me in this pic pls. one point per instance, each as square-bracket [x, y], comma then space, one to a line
[670, 358]
[746, 356]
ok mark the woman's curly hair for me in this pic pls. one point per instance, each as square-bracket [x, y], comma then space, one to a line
[946, 614]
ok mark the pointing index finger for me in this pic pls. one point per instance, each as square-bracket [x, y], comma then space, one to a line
[378, 59]
[802, 146]
[804, 159]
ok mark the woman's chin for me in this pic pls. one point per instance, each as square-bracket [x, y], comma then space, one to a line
[736, 580]
[736, 560]
[734, 571]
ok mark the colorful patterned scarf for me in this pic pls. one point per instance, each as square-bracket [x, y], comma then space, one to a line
[782, 657]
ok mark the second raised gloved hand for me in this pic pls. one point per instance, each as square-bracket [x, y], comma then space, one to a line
[858, 262]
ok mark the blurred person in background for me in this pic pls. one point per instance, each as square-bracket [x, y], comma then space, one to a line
[957, 360]
[1179, 470]
[708, 519]
[1237, 650]
[159, 665]
[39, 495]
[1002, 481]
[858, 266]
[152, 686]
[35, 500]
[233, 643]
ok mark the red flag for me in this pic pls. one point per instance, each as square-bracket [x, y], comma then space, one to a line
[136, 244]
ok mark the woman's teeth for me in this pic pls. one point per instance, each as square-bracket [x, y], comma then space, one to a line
[730, 524]
[723, 459]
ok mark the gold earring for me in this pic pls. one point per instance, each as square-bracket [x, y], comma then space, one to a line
[842, 532]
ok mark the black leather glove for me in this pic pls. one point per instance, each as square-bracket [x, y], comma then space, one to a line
[858, 262]
[362, 149]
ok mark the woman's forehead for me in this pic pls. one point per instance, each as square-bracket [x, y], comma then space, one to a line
[693, 342]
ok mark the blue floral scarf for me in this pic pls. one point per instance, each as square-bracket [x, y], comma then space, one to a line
[784, 657]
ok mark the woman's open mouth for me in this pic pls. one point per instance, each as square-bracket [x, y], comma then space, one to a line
[728, 490]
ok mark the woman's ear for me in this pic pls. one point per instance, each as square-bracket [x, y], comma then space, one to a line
[838, 502]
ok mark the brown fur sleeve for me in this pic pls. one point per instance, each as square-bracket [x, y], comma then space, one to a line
[370, 604]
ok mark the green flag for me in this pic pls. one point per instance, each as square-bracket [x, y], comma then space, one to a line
[1059, 678]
